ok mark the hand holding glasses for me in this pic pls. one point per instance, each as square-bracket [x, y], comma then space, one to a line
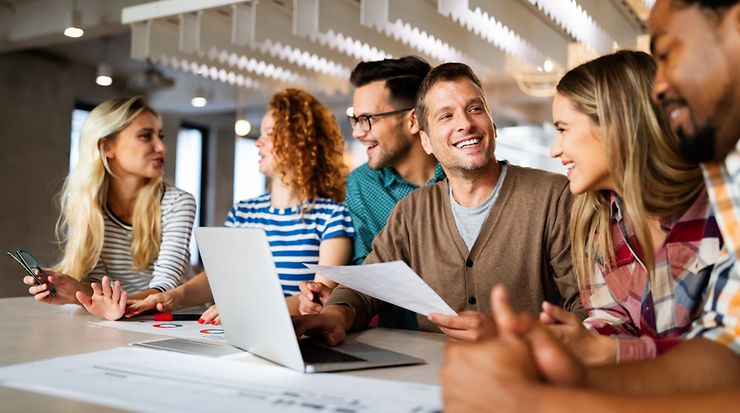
[23, 258]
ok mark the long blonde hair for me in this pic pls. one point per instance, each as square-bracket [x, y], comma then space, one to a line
[81, 228]
[650, 177]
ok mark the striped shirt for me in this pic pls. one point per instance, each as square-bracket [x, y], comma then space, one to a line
[721, 319]
[294, 238]
[173, 261]
[649, 317]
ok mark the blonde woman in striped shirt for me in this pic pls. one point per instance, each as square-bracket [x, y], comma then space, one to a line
[122, 228]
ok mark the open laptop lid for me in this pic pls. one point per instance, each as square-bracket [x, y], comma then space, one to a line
[251, 305]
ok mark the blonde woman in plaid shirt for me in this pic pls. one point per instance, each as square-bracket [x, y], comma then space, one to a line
[644, 239]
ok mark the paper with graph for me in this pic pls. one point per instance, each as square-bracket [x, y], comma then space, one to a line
[161, 381]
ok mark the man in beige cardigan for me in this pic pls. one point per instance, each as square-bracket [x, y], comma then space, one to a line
[488, 223]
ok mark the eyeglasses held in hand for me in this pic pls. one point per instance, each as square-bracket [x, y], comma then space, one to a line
[23, 258]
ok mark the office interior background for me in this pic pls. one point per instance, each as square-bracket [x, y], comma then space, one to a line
[210, 66]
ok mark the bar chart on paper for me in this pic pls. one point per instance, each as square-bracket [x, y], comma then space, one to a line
[156, 381]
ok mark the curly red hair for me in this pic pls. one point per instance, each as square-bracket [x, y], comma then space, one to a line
[307, 143]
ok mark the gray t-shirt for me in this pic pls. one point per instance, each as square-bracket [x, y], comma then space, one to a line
[470, 220]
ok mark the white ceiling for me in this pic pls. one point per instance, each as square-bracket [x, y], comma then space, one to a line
[314, 43]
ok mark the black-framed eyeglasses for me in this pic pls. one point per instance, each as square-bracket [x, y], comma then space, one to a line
[29, 263]
[364, 120]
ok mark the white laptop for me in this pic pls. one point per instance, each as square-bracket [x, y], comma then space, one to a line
[255, 318]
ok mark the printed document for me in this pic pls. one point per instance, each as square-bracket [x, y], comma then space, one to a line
[393, 282]
[183, 329]
[147, 380]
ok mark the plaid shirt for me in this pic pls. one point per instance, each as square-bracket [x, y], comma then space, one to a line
[647, 319]
[719, 321]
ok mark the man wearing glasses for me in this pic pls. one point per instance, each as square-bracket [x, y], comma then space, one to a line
[487, 223]
[384, 122]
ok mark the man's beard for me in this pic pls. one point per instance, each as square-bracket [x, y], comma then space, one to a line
[699, 146]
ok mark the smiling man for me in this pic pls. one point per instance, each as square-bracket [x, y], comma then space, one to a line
[384, 122]
[488, 223]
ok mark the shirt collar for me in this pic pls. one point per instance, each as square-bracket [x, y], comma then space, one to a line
[666, 223]
[390, 176]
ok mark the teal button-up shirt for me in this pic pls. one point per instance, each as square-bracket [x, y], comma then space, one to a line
[371, 196]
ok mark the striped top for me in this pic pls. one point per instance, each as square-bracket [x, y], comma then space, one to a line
[294, 238]
[173, 261]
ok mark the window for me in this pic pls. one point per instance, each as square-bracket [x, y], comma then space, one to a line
[248, 181]
[79, 114]
[188, 173]
[528, 146]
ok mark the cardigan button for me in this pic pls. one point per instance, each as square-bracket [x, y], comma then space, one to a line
[472, 300]
[469, 263]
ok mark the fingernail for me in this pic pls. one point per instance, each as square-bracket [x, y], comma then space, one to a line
[201, 321]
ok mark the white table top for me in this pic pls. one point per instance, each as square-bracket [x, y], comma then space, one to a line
[31, 331]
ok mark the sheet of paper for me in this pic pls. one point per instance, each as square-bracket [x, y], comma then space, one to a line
[393, 282]
[158, 381]
[182, 329]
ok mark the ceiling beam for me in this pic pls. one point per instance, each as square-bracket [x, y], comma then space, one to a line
[527, 24]
[417, 24]
[41, 23]
[336, 24]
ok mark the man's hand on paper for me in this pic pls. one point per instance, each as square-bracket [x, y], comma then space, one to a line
[313, 297]
[467, 326]
[331, 324]
[106, 301]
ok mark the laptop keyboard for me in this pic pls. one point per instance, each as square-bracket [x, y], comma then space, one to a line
[316, 354]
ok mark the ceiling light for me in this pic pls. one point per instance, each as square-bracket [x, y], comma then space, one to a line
[74, 30]
[242, 127]
[104, 75]
[547, 65]
[535, 81]
[198, 101]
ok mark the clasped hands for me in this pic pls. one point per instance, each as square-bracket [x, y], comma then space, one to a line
[506, 371]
